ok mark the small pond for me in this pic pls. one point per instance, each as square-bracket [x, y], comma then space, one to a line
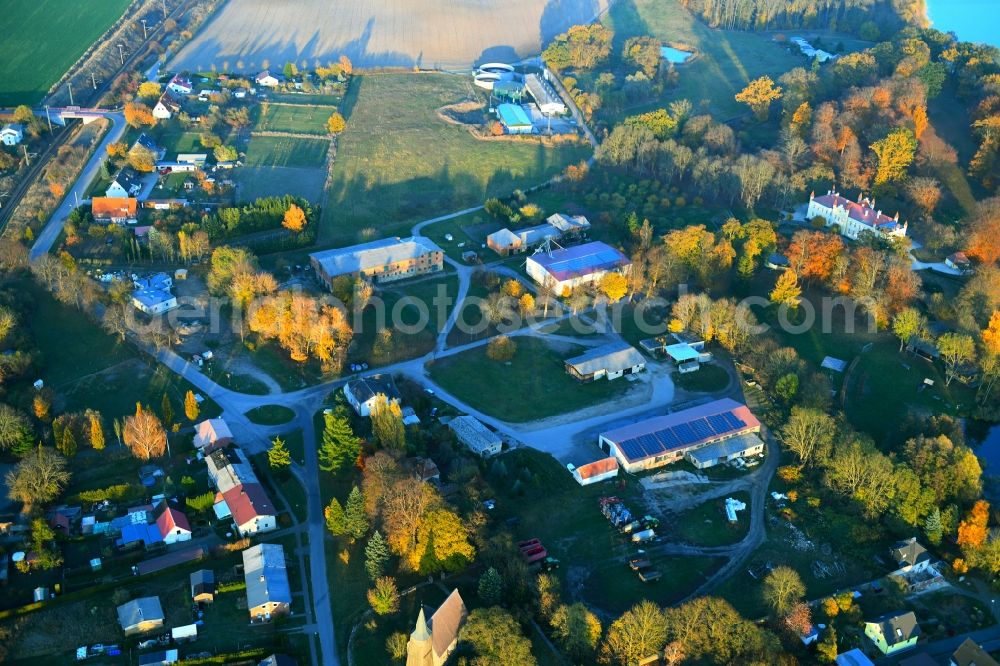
[674, 55]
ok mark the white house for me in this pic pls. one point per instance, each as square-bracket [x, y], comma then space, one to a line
[853, 217]
[180, 85]
[173, 525]
[250, 508]
[362, 393]
[564, 270]
[548, 100]
[153, 301]
[212, 433]
[12, 134]
[910, 556]
[166, 107]
[267, 80]
[125, 184]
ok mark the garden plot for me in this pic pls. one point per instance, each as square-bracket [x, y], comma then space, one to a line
[250, 35]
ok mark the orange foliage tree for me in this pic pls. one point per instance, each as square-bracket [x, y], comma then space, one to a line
[304, 326]
[972, 531]
[813, 254]
[137, 114]
[984, 230]
[295, 219]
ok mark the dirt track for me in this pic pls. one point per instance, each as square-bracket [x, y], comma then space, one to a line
[248, 35]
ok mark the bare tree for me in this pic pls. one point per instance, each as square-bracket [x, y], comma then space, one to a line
[144, 434]
[39, 477]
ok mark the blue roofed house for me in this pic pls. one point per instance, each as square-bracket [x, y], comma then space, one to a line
[564, 270]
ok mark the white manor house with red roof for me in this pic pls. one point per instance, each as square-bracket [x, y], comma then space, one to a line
[853, 217]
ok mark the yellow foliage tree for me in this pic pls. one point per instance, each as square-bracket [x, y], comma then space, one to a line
[295, 219]
[144, 434]
[512, 288]
[894, 154]
[149, 90]
[758, 95]
[442, 543]
[614, 286]
[991, 334]
[787, 290]
[335, 124]
[526, 304]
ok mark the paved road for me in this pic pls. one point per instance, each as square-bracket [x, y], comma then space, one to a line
[50, 233]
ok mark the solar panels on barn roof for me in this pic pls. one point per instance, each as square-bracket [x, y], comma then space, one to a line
[580, 260]
[684, 429]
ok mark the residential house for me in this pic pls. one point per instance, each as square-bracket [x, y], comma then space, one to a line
[251, 509]
[212, 434]
[203, 586]
[662, 440]
[910, 555]
[12, 134]
[959, 261]
[126, 183]
[147, 142]
[893, 632]
[173, 525]
[153, 300]
[564, 270]
[166, 106]
[140, 615]
[267, 80]
[854, 657]
[228, 468]
[426, 469]
[363, 393]
[854, 217]
[609, 361]
[597, 471]
[268, 591]
[478, 438]
[114, 210]
[161, 281]
[380, 261]
[971, 654]
[433, 640]
[180, 85]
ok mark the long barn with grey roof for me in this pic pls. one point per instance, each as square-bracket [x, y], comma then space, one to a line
[383, 260]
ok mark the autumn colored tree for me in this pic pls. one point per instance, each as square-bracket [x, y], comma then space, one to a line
[149, 90]
[40, 406]
[957, 349]
[907, 323]
[38, 478]
[138, 114]
[787, 290]
[501, 349]
[991, 334]
[809, 434]
[758, 95]
[387, 423]
[278, 455]
[813, 254]
[920, 120]
[144, 434]
[925, 193]
[984, 231]
[577, 629]
[191, 409]
[614, 286]
[294, 219]
[526, 304]
[893, 155]
[798, 620]
[972, 531]
[782, 589]
[335, 124]
[346, 66]
[512, 288]
[303, 325]
[443, 543]
[384, 597]
[638, 633]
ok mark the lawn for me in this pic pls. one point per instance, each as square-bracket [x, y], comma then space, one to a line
[707, 525]
[256, 182]
[709, 379]
[300, 118]
[235, 381]
[271, 151]
[398, 162]
[270, 415]
[533, 385]
[178, 141]
[42, 39]
[726, 60]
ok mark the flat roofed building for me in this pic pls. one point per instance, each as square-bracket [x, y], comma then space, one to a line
[564, 270]
[382, 260]
[228, 468]
[514, 119]
[609, 361]
[268, 591]
[472, 433]
[153, 301]
[725, 450]
[666, 439]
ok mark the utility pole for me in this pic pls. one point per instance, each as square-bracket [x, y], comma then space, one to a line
[93, 80]
[143, 21]
[70, 86]
[26, 158]
[121, 52]
[48, 118]
[163, 4]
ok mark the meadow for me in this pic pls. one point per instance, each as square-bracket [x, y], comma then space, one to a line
[398, 163]
[300, 118]
[42, 39]
[270, 151]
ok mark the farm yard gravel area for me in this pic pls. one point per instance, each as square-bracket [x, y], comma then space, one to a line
[249, 35]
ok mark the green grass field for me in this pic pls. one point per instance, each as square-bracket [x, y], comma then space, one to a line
[292, 118]
[534, 385]
[397, 162]
[42, 39]
[270, 151]
[726, 60]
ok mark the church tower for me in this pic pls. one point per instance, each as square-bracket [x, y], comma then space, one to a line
[420, 651]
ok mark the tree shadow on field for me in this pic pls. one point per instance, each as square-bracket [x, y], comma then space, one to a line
[560, 15]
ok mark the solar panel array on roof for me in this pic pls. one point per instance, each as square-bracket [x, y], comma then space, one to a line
[682, 435]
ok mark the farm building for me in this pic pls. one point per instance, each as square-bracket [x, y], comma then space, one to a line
[909, 555]
[514, 119]
[382, 260]
[250, 508]
[433, 640]
[12, 134]
[197, 159]
[212, 434]
[505, 241]
[172, 525]
[728, 449]
[126, 183]
[140, 615]
[548, 100]
[203, 586]
[362, 394]
[116, 210]
[597, 471]
[564, 270]
[568, 224]
[268, 592]
[893, 632]
[607, 361]
[662, 440]
[472, 433]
